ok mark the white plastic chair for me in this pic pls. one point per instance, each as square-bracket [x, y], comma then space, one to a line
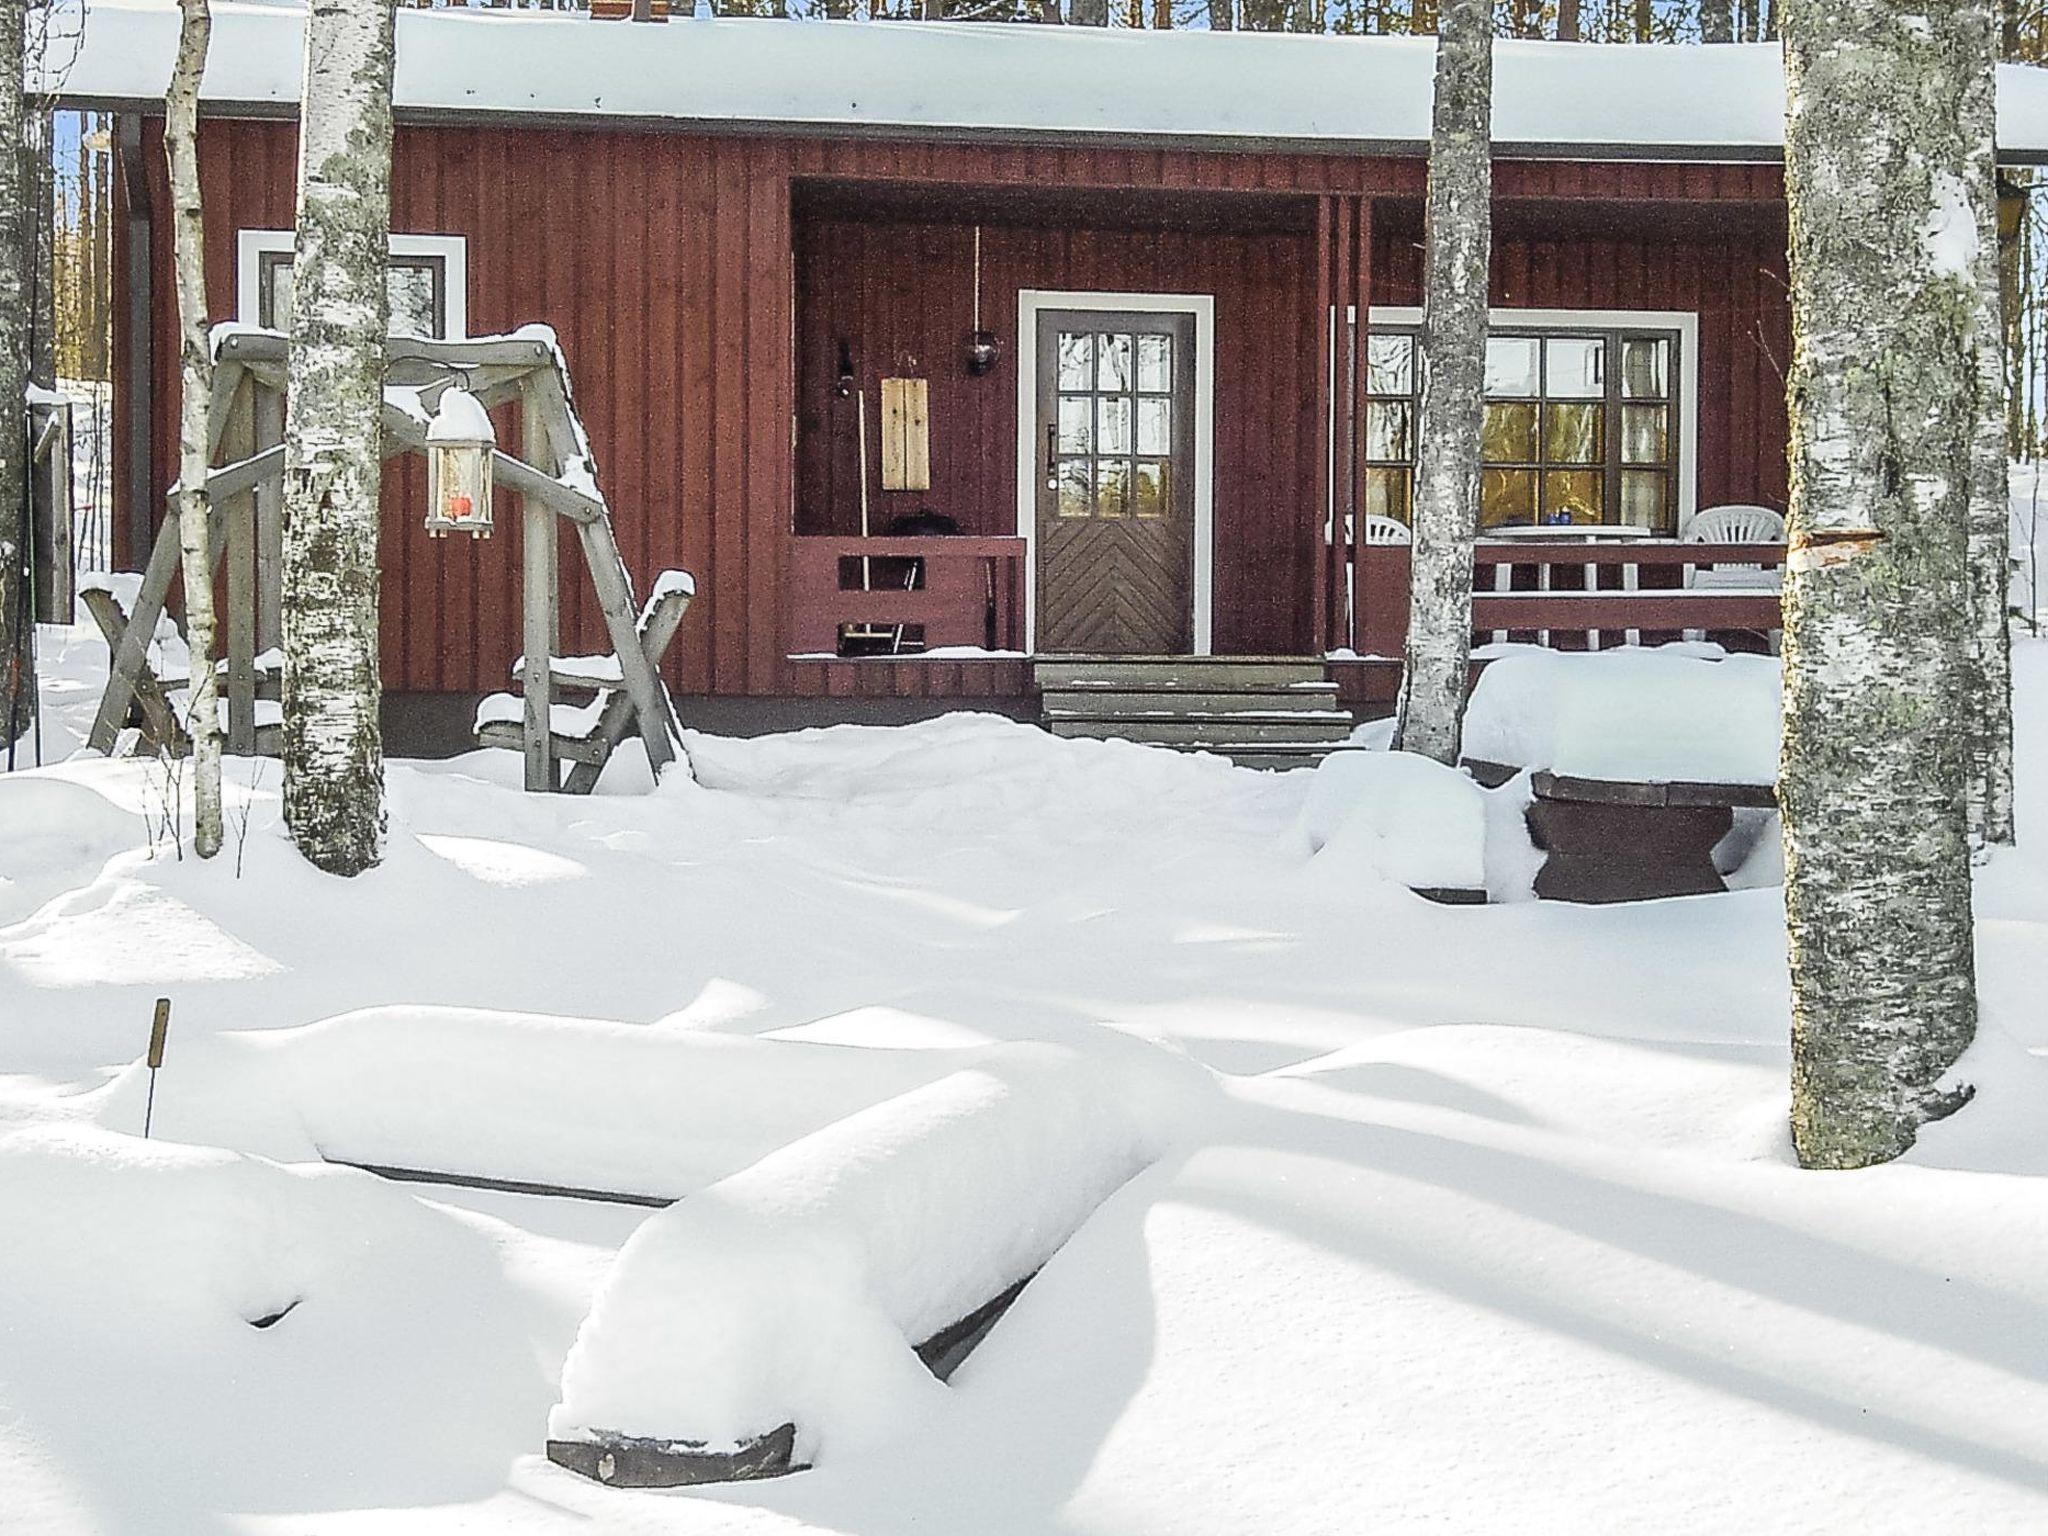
[1381, 529]
[1734, 524]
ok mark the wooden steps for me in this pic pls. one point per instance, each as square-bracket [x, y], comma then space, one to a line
[1258, 711]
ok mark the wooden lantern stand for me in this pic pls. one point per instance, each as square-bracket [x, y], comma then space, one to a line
[245, 504]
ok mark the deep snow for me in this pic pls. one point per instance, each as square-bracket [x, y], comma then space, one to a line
[1487, 1221]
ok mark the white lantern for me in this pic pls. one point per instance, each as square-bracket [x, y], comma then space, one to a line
[460, 441]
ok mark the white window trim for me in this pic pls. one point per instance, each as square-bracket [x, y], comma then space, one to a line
[252, 245]
[1203, 307]
[1684, 321]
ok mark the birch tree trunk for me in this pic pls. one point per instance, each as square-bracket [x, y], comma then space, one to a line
[1431, 713]
[1717, 21]
[1882, 394]
[17, 253]
[1989, 670]
[195, 369]
[333, 747]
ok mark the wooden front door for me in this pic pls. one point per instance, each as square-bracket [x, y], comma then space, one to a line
[1115, 525]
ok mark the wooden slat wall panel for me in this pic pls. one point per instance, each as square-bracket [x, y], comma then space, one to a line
[665, 262]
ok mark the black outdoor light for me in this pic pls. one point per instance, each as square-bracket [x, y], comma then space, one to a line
[845, 385]
[982, 347]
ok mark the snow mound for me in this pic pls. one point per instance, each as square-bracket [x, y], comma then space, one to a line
[795, 1291]
[581, 1103]
[1401, 815]
[54, 827]
[1654, 716]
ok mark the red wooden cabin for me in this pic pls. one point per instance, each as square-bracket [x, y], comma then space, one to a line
[740, 229]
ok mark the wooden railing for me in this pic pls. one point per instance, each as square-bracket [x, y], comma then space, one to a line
[1581, 594]
[903, 596]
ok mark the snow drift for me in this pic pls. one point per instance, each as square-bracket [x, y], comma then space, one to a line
[795, 1291]
[1407, 817]
[637, 1109]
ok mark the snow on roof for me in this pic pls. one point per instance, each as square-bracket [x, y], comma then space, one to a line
[1195, 88]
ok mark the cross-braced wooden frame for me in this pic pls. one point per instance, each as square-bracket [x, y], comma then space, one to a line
[245, 503]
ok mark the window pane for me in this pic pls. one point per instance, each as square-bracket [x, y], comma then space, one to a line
[1509, 434]
[1511, 365]
[414, 288]
[1155, 423]
[1077, 423]
[1386, 493]
[1575, 367]
[1645, 368]
[1149, 488]
[1077, 360]
[1644, 502]
[1113, 362]
[1571, 433]
[1112, 425]
[1112, 484]
[1076, 495]
[1507, 496]
[1388, 431]
[1155, 362]
[1572, 495]
[1643, 436]
[274, 305]
[1389, 365]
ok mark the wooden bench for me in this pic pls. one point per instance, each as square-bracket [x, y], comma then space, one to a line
[163, 726]
[1608, 840]
[586, 734]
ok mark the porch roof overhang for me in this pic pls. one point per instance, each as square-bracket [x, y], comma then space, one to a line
[1020, 83]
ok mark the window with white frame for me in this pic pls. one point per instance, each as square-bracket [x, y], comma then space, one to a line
[1587, 418]
[427, 279]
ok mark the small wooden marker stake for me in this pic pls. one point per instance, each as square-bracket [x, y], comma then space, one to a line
[159, 1027]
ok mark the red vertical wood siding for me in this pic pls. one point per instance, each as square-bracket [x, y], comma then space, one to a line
[687, 304]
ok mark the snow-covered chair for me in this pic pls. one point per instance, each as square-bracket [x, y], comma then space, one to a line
[1381, 529]
[1734, 524]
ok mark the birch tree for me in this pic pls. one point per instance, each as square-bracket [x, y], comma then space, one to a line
[333, 747]
[195, 369]
[17, 254]
[1989, 671]
[1882, 393]
[1717, 21]
[1459, 239]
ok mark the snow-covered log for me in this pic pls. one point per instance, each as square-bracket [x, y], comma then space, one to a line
[1459, 237]
[1883, 393]
[775, 1314]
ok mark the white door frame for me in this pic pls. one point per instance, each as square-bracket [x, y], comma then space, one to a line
[1203, 307]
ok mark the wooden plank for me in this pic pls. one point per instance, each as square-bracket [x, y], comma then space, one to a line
[657, 628]
[654, 717]
[539, 595]
[160, 722]
[129, 658]
[238, 513]
[269, 414]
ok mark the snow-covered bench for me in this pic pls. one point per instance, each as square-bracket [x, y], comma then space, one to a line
[587, 732]
[160, 686]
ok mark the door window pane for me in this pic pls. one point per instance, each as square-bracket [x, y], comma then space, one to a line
[1155, 363]
[1646, 368]
[1112, 425]
[1112, 484]
[1644, 439]
[1507, 496]
[1149, 488]
[1509, 434]
[1076, 492]
[1077, 360]
[1574, 367]
[1387, 430]
[1572, 495]
[1644, 499]
[1077, 423]
[1511, 365]
[1387, 493]
[1571, 433]
[1390, 365]
[1113, 363]
[1155, 424]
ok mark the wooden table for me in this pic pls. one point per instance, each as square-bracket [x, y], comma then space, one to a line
[1610, 840]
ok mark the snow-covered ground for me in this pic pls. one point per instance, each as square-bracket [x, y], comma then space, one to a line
[1467, 1218]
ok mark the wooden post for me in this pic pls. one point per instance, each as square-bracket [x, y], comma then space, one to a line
[238, 441]
[269, 410]
[542, 588]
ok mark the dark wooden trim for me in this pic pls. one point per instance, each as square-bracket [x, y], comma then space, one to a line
[138, 447]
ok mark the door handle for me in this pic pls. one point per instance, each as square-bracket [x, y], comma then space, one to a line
[1052, 459]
